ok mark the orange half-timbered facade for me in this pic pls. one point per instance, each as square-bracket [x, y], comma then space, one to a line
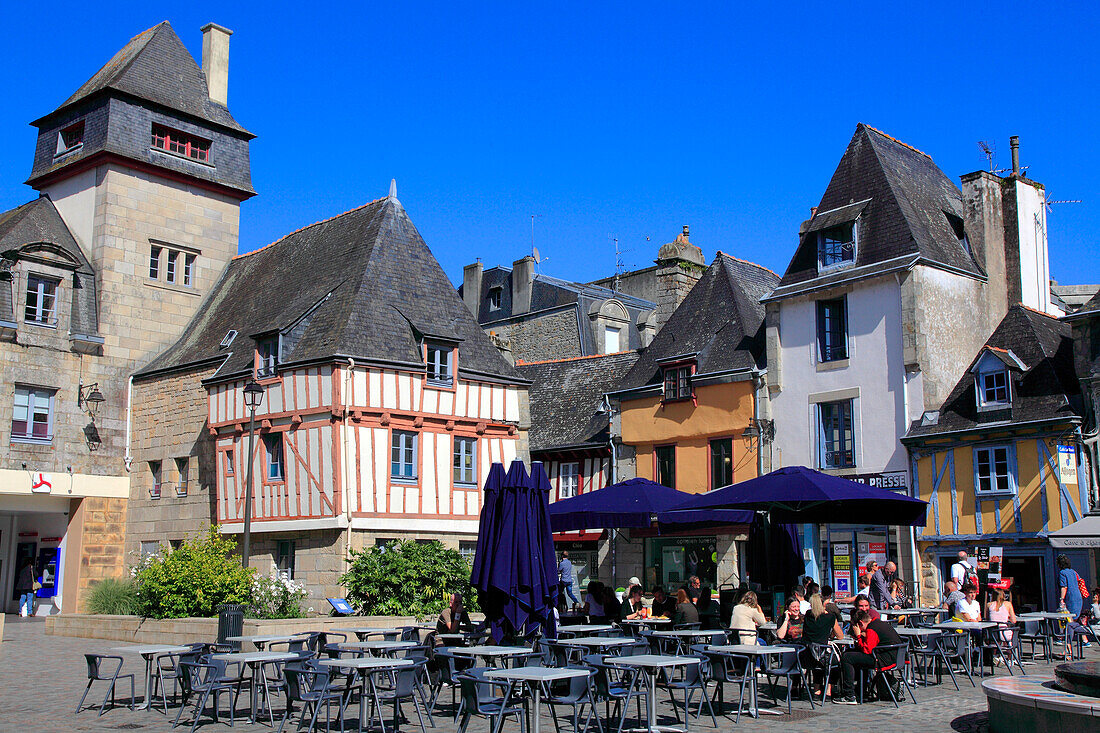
[384, 403]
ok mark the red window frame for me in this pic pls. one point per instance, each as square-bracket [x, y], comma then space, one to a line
[181, 143]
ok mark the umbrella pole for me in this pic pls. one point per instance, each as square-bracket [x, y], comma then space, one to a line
[613, 543]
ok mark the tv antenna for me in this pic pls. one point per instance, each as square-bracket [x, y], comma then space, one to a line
[989, 150]
[1050, 203]
[620, 262]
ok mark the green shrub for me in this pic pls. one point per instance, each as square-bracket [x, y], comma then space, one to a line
[276, 596]
[114, 596]
[406, 578]
[193, 579]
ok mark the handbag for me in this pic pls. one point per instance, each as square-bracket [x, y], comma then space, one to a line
[1081, 585]
[36, 585]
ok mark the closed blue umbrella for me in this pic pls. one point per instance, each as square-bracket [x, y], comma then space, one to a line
[488, 527]
[548, 566]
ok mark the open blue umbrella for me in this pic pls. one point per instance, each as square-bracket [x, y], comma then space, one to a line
[801, 495]
[633, 503]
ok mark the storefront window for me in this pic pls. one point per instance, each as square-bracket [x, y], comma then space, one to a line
[845, 550]
[670, 561]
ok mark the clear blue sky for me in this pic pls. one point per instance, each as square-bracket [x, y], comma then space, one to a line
[626, 119]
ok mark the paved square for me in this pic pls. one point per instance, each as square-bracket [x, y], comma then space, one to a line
[42, 678]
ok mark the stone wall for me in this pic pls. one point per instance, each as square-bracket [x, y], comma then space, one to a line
[543, 337]
[169, 423]
[97, 527]
[318, 561]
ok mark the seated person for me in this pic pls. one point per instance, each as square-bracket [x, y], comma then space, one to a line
[799, 593]
[632, 607]
[747, 618]
[863, 583]
[663, 606]
[820, 624]
[901, 597]
[611, 605]
[708, 609]
[830, 603]
[968, 609]
[686, 612]
[868, 635]
[790, 624]
[1000, 610]
[863, 603]
[951, 596]
[593, 601]
[451, 619]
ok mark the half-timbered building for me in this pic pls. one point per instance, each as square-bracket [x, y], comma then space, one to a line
[384, 403]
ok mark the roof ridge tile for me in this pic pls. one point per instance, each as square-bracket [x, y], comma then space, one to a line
[301, 229]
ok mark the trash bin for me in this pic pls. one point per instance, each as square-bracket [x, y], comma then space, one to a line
[230, 623]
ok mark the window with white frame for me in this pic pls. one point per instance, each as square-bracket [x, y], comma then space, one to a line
[273, 450]
[156, 474]
[568, 479]
[284, 558]
[611, 343]
[494, 298]
[995, 469]
[154, 261]
[267, 356]
[171, 269]
[403, 455]
[832, 329]
[183, 467]
[32, 415]
[439, 358]
[176, 265]
[467, 548]
[41, 307]
[71, 138]
[993, 388]
[837, 245]
[465, 461]
[836, 435]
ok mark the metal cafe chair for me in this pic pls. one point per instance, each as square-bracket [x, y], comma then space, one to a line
[478, 698]
[788, 666]
[97, 672]
[888, 657]
[577, 694]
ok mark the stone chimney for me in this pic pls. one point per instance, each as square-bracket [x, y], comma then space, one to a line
[523, 273]
[215, 61]
[680, 264]
[471, 287]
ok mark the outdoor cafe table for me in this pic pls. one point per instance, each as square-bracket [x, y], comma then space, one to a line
[534, 678]
[649, 665]
[255, 660]
[653, 621]
[262, 641]
[148, 652]
[380, 647]
[682, 635]
[489, 652]
[581, 629]
[751, 652]
[600, 643]
[366, 668]
[364, 631]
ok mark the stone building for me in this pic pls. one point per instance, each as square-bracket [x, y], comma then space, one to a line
[384, 403]
[898, 278]
[140, 173]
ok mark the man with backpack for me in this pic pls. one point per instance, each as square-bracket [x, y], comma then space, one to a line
[963, 573]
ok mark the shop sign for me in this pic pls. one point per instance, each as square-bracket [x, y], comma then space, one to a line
[996, 556]
[1067, 464]
[893, 480]
[842, 579]
[983, 558]
[41, 483]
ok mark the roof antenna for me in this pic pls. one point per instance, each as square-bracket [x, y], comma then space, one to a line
[989, 150]
[620, 262]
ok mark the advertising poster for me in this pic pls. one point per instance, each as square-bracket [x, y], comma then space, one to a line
[842, 568]
[842, 582]
[1067, 464]
[871, 551]
[996, 557]
[983, 558]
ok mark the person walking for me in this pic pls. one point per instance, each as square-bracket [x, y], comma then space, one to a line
[24, 585]
[565, 577]
[1070, 598]
[962, 572]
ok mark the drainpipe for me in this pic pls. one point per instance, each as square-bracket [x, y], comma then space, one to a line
[913, 554]
[347, 471]
[128, 459]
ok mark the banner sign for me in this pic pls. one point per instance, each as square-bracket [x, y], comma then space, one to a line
[893, 480]
[1067, 464]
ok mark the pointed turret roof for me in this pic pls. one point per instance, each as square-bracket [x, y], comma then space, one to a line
[720, 324]
[903, 202]
[362, 284]
[156, 67]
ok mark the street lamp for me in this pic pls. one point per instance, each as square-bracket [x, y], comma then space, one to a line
[90, 399]
[253, 396]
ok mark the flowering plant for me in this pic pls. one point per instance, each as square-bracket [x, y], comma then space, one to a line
[277, 596]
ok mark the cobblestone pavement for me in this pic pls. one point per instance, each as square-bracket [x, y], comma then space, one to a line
[42, 678]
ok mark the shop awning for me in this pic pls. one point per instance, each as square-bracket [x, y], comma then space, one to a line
[1082, 533]
[803, 496]
[633, 503]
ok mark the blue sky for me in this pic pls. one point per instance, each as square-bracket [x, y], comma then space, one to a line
[604, 119]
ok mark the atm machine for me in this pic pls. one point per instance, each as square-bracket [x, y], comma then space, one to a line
[46, 568]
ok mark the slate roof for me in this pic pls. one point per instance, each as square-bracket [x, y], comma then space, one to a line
[36, 229]
[721, 320]
[551, 292]
[362, 284]
[156, 67]
[1046, 387]
[907, 197]
[566, 396]
[1090, 308]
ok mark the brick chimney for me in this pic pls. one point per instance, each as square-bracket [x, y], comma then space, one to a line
[523, 273]
[215, 61]
[680, 264]
[471, 287]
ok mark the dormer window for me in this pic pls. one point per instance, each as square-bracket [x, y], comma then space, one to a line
[181, 143]
[993, 388]
[992, 380]
[41, 307]
[439, 359]
[837, 245]
[71, 138]
[677, 380]
[494, 298]
[959, 230]
[267, 356]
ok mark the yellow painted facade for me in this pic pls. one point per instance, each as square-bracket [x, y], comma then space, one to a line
[961, 513]
[718, 411]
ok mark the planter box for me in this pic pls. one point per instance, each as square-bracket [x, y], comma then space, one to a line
[186, 630]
